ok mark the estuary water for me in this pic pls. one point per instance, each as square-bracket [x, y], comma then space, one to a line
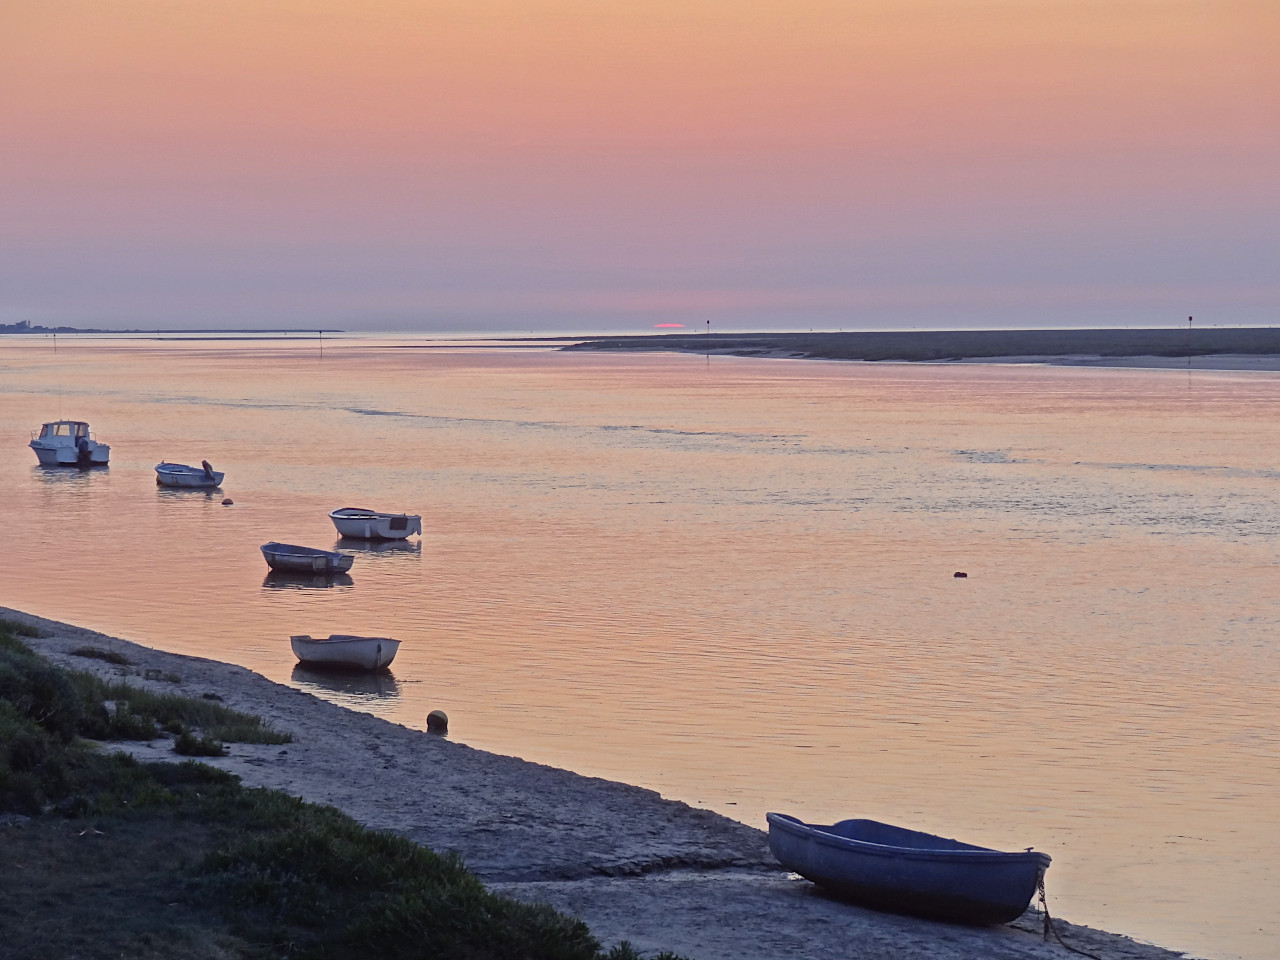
[731, 580]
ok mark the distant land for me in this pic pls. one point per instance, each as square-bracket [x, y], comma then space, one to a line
[941, 345]
[25, 326]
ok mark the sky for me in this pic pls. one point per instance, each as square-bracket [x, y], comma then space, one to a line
[580, 165]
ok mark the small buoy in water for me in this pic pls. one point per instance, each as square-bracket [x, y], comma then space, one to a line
[959, 573]
[437, 722]
[227, 501]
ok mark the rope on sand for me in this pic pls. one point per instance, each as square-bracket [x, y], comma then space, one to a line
[1048, 923]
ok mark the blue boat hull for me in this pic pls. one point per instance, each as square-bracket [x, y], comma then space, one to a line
[890, 868]
[291, 558]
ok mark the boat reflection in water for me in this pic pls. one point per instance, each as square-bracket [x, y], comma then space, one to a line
[275, 580]
[63, 476]
[378, 546]
[350, 686]
[188, 493]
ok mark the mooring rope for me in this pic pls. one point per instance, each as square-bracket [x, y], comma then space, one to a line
[1048, 923]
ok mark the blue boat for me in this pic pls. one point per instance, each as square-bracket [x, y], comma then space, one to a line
[291, 558]
[905, 871]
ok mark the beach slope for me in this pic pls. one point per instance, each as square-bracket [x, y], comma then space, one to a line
[633, 865]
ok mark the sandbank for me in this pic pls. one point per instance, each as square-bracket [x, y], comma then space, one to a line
[633, 865]
[1218, 348]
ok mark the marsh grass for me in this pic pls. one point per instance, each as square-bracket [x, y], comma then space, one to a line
[97, 653]
[13, 628]
[137, 714]
[184, 861]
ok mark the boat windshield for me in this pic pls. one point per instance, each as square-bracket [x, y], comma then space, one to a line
[65, 428]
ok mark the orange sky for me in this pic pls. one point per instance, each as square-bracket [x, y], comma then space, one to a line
[576, 164]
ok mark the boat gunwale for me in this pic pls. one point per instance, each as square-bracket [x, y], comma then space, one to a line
[360, 513]
[802, 830]
[298, 550]
[341, 638]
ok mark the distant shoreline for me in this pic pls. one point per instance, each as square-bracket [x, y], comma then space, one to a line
[1102, 346]
[27, 329]
[1220, 348]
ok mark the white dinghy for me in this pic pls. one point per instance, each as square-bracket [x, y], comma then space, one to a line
[365, 524]
[345, 650]
[181, 475]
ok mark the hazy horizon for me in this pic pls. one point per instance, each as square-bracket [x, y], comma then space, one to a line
[560, 165]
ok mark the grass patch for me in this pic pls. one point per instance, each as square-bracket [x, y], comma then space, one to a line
[137, 714]
[97, 653]
[13, 628]
[161, 860]
[161, 675]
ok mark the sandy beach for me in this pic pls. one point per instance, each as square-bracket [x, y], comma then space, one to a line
[634, 866]
[1225, 348]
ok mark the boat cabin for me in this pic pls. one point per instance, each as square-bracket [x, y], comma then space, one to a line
[64, 432]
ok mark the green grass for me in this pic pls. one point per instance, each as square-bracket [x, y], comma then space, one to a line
[179, 859]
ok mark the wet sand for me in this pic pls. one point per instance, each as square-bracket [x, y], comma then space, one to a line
[1224, 348]
[634, 866]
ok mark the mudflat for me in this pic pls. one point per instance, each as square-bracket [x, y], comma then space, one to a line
[633, 865]
[943, 345]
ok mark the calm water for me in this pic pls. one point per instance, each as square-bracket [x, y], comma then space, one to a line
[731, 580]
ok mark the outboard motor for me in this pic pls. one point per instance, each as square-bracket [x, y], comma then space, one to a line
[208, 470]
[83, 458]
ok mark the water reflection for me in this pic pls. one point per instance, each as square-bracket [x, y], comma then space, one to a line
[354, 684]
[189, 493]
[378, 546]
[275, 580]
[68, 475]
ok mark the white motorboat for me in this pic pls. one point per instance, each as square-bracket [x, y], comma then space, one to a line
[68, 443]
[345, 650]
[181, 475]
[371, 525]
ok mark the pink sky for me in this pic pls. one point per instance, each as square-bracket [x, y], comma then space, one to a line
[516, 164]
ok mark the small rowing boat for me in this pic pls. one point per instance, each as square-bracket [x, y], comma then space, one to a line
[345, 650]
[291, 558]
[371, 525]
[181, 475]
[905, 871]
